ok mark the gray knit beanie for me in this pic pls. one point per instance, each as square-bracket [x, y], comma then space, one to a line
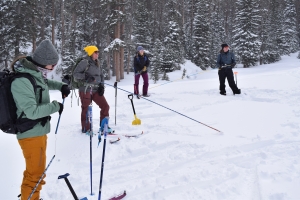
[45, 54]
[139, 48]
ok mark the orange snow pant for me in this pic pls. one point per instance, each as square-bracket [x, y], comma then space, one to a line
[34, 151]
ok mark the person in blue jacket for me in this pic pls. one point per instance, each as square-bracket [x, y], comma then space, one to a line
[141, 63]
[225, 63]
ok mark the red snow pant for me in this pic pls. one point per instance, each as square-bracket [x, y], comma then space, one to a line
[137, 80]
[86, 101]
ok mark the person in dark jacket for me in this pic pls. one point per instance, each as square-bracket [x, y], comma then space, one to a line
[141, 63]
[34, 107]
[225, 63]
[89, 71]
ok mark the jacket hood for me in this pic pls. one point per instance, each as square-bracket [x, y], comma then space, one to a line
[23, 65]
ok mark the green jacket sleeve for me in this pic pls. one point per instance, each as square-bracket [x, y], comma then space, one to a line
[25, 99]
[55, 85]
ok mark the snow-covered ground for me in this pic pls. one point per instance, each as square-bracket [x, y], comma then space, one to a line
[256, 157]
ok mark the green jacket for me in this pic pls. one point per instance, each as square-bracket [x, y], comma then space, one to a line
[28, 102]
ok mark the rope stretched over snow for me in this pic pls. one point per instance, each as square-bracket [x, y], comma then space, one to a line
[166, 108]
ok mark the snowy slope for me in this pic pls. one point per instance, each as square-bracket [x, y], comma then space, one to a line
[255, 157]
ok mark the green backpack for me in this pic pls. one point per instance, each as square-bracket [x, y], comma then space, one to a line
[74, 83]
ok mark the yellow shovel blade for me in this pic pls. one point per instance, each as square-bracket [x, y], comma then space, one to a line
[136, 121]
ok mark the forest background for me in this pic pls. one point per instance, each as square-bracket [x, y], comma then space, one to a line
[258, 31]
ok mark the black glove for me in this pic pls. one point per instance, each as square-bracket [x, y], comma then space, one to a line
[89, 79]
[66, 79]
[61, 108]
[65, 91]
[233, 65]
[101, 90]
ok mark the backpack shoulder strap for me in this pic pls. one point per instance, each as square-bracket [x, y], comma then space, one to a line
[88, 66]
[32, 81]
[29, 77]
[81, 59]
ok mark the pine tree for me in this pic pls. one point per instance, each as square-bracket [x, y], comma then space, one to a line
[218, 36]
[14, 31]
[188, 29]
[290, 44]
[156, 61]
[165, 77]
[183, 73]
[268, 50]
[167, 59]
[246, 41]
[202, 35]
[141, 25]
[276, 26]
[173, 40]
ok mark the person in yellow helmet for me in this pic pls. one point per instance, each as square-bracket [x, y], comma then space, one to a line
[89, 71]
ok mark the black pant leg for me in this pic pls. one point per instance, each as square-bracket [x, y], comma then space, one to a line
[222, 77]
[230, 79]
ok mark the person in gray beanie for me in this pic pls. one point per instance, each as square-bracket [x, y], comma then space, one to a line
[35, 109]
[45, 54]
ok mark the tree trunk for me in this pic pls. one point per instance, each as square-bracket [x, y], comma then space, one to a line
[108, 60]
[122, 62]
[53, 22]
[129, 40]
[42, 34]
[62, 15]
[74, 17]
[17, 39]
[122, 28]
[114, 63]
[34, 34]
[117, 52]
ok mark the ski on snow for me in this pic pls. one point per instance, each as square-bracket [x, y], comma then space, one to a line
[114, 141]
[125, 135]
[121, 196]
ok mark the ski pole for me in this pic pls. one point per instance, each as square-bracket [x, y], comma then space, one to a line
[235, 73]
[103, 155]
[115, 85]
[49, 162]
[40, 178]
[90, 117]
[63, 102]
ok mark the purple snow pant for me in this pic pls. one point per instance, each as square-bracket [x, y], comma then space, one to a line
[136, 83]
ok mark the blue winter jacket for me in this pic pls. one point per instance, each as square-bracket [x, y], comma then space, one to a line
[225, 59]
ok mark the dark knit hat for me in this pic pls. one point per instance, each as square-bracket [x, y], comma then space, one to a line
[139, 48]
[224, 45]
[45, 54]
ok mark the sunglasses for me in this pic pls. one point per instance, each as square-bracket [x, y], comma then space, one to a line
[97, 52]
